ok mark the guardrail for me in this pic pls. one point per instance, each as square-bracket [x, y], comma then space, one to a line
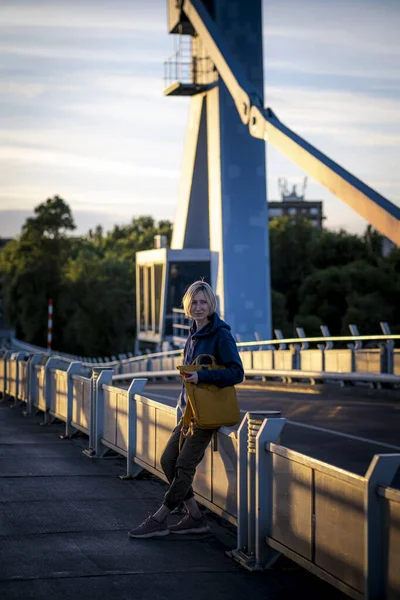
[294, 357]
[343, 527]
[328, 520]
[372, 379]
[285, 354]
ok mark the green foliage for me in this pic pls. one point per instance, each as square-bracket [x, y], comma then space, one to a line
[280, 313]
[98, 306]
[91, 280]
[358, 293]
[333, 279]
[32, 274]
[318, 277]
[291, 250]
[53, 219]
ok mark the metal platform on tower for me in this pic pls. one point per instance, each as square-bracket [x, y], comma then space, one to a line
[188, 71]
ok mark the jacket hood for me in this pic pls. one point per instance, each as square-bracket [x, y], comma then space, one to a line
[215, 323]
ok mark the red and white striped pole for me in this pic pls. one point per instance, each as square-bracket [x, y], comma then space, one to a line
[50, 324]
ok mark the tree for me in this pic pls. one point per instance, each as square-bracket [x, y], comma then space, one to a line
[98, 305]
[359, 293]
[335, 249]
[333, 278]
[291, 249]
[31, 271]
[53, 219]
[279, 313]
[323, 295]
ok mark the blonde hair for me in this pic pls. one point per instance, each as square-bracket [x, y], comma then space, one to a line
[199, 286]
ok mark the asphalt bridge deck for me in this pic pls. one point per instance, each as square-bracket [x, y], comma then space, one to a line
[63, 531]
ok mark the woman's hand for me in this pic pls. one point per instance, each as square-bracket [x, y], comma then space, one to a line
[191, 377]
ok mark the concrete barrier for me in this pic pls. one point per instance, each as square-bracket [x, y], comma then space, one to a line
[311, 360]
[368, 360]
[339, 361]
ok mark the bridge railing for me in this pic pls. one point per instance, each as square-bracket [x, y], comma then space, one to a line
[290, 359]
[330, 521]
[317, 354]
[325, 354]
[295, 359]
[342, 526]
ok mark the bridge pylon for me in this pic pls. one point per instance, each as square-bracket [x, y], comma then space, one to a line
[221, 225]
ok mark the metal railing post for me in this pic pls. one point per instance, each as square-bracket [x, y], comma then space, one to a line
[132, 470]
[50, 364]
[73, 369]
[380, 472]
[18, 357]
[269, 431]
[6, 358]
[246, 487]
[100, 377]
[32, 387]
[255, 421]
[354, 347]
[242, 523]
[388, 349]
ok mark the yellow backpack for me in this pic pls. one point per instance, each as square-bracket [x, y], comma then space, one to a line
[208, 406]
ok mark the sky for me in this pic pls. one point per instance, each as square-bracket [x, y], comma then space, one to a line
[83, 115]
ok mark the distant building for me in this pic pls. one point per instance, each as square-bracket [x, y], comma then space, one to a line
[294, 205]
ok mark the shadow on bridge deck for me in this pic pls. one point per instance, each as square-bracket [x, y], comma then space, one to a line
[64, 523]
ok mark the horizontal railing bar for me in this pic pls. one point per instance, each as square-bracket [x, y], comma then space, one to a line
[389, 493]
[299, 374]
[82, 428]
[154, 355]
[112, 388]
[76, 377]
[345, 338]
[337, 338]
[294, 374]
[253, 344]
[158, 405]
[112, 446]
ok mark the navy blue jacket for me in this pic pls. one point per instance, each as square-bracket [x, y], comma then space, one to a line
[216, 339]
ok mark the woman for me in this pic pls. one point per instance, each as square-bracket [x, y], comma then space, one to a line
[208, 335]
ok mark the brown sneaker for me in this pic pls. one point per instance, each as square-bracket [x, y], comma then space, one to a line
[149, 528]
[190, 525]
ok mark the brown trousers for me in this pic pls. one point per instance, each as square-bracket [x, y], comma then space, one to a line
[180, 466]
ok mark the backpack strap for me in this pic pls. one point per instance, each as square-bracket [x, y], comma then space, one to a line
[187, 427]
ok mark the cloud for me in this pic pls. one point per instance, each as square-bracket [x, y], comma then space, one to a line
[83, 113]
[26, 89]
[367, 27]
[345, 35]
[64, 160]
[384, 71]
[310, 107]
[88, 141]
[69, 52]
[84, 15]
